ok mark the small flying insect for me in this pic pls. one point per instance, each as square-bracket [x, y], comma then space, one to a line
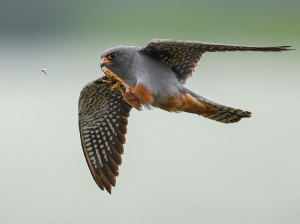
[44, 70]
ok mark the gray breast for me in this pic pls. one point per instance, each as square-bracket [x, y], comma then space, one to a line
[156, 76]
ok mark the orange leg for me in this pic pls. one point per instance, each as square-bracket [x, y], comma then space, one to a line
[114, 78]
[120, 89]
[115, 82]
[109, 82]
[117, 85]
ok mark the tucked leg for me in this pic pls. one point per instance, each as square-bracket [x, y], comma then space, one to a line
[113, 77]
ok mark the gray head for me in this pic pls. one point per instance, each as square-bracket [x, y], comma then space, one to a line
[133, 66]
[118, 59]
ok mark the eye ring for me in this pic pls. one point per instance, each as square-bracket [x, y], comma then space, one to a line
[112, 56]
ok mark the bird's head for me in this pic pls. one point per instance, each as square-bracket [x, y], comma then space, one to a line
[118, 59]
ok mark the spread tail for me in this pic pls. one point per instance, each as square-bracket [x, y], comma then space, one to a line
[218, 112]
[223, 114]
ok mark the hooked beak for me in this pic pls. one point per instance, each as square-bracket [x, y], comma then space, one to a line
[104, 62]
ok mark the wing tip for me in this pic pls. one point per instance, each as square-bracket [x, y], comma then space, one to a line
[281, 48]
[104, 187]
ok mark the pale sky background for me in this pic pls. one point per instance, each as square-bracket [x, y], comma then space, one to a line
[177, 168]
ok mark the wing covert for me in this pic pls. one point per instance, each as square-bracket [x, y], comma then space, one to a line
[103, 122]
[183, 56]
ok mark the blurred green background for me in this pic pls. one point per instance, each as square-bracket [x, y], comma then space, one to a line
[177, 168]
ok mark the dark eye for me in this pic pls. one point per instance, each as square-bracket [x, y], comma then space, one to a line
[112, 56]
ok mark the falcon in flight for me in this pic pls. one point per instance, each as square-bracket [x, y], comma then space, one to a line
[152, 76]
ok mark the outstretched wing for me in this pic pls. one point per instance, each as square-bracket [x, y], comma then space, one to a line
[183, 56]
[103, 122]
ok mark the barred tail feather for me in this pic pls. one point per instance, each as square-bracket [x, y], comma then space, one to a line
[223, 114]
[228, 114]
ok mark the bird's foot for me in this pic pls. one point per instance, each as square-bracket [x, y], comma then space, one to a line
[115, 81]
[109, 82]
[117, 86]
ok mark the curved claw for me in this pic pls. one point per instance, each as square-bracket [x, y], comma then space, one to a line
[114, 78]
[114, 86]
[109, 82]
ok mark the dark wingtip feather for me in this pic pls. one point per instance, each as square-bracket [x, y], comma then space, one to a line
[284, 48]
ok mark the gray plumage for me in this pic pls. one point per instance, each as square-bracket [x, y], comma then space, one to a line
[162, 68]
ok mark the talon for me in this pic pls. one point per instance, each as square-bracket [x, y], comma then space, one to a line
[109, 82]
[114, 86]
[115, 81]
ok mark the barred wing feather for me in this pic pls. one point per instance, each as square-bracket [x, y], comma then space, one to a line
[103, 122]
[183, 56]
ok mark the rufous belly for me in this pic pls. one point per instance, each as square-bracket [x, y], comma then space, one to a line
[186, 103]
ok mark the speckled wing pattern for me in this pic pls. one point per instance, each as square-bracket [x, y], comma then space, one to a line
[103, 122]
[183, 56]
